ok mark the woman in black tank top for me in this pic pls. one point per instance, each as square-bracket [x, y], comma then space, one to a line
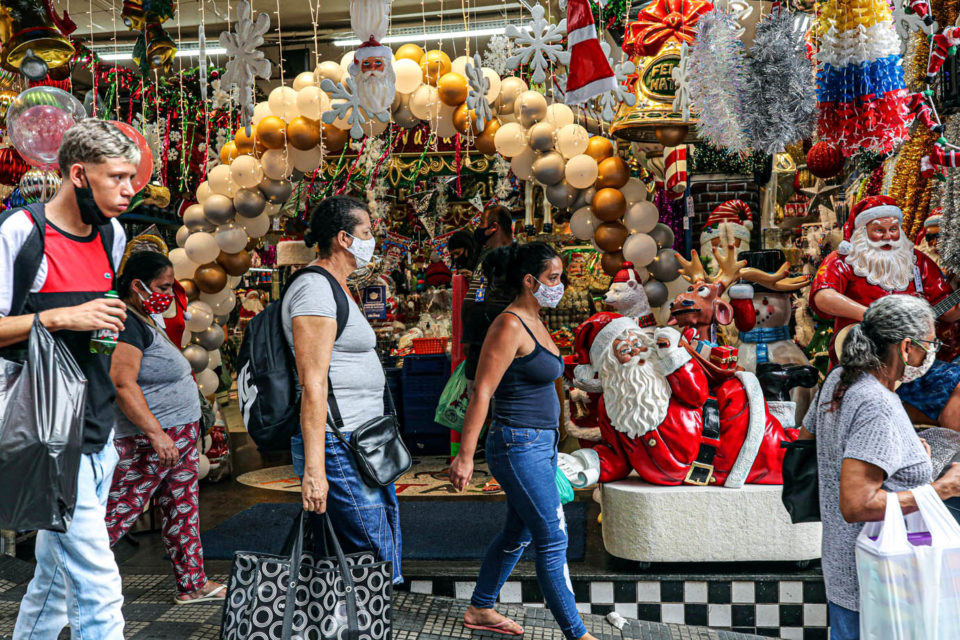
[518, 367]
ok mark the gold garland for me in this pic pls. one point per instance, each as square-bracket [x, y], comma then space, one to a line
[915, 61]
[911, 191]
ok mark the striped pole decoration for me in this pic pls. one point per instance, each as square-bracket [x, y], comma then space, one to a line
[675, 170]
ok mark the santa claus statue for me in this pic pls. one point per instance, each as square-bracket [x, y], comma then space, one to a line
[372, 67]
[664, 415]
[728, 224]
[927, 239]
[875, 259]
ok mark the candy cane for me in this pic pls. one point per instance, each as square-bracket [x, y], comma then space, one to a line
[675, 170]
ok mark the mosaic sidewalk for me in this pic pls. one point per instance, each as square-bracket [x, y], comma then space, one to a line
[151, 615]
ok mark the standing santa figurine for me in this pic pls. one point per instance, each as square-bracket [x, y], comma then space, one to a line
[372, 67]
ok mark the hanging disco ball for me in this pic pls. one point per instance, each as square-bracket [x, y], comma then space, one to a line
[38, 185]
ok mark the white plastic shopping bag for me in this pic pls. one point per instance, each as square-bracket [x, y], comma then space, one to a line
[909, 572]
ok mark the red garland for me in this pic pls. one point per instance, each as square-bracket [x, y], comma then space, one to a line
[457, 160]
[356, 161]
[878, 124]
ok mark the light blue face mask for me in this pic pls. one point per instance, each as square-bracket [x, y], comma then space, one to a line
[362, 250]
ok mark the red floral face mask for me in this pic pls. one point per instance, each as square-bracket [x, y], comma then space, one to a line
[156, 302]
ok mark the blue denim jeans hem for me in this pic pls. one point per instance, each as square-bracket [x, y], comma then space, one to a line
[844, 623]
[365, 518]
[524, 462]
[76, 580]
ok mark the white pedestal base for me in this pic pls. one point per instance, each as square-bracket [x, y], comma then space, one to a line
[651, 523]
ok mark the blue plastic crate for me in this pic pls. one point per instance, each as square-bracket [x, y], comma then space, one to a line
[414, 365]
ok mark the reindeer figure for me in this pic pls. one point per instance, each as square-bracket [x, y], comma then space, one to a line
[700, 308]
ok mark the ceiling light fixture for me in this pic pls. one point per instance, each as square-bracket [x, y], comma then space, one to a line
[437, 35]
[182, 53]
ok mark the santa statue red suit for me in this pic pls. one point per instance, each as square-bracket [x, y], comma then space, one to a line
[875, 259]
[663, 417]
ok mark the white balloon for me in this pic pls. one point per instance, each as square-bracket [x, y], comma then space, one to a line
[304, 79]
[208, 382]
[572, 139]
[345, 63]
[203, 192]
[312, 101]
[182, 234]
[256, 227]
[443, 122]
[641, 217]
[494, 91]
[215, 358]
[221, 181]
[183, 266]
[640, 249]
[231, 237]
[559, 115]
[233, 281]
[582, 224]
[272, 209]
[213, 299]
[283, 103]
[409, 75]
[201, 248]
[424, 102]
[305, 161]
[276, 164]
[246, 171]
[510, 139]
[260, 111]
[459, 65]
[522, 163]
[634, 191]
[580, 171]
[226, 305]
[201, 316]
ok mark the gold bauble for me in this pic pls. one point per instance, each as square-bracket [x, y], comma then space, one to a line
[599, 148]
[434, 64]
[245, 144]
[610, 236]
[409, 51]
[210, 277]
[671, 135]
[484, 141]
[452, 89]
[228, 152]
[303, 133]
[611, 262]
[191, 289]
[465, 119]
[608, 204]
[235, 264]
[612, 173]
[272, 132]
[333, 138]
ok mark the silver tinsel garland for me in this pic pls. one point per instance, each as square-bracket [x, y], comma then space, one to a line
[716, 75]
[779, 93]
[948, 245]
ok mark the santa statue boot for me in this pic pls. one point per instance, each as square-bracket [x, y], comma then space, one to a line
[777, 381]
[582, 467]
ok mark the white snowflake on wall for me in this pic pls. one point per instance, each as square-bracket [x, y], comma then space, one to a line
[246, 62]
[540, 45]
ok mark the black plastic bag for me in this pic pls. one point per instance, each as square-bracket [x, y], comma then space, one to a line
[801, 482]
[41, 435]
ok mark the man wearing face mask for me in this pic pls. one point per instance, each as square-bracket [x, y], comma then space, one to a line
[345, 365]
[57, 261]
[484, 303]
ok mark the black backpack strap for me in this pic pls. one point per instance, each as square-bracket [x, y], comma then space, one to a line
[27, 263]
[339, 295]
[107, 236]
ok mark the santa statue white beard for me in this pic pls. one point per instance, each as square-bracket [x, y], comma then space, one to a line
[891, 269]
[635, 396]
[377, 89]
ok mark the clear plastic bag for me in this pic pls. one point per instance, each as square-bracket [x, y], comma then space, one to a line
[41, 435]
[909, 572]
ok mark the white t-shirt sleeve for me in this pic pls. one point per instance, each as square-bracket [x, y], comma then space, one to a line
[311, 295]
[13, 233]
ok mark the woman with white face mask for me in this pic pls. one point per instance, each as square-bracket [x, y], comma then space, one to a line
[364, 516]
[518, 366]
[866, 443]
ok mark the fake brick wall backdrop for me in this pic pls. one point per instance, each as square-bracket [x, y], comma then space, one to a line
[708, 191]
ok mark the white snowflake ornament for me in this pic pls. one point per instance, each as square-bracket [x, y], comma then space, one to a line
[246, 61]
[609, 101]
[540, 46]
[681, 80]
[349, 109]
[477, 96]
[497, 55]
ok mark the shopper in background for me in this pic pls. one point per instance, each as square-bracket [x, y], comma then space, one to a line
[518, 366]
[98, 164]
[463, 253]
[366, 518]
[158, 425]
[483, 303]
[866, 444]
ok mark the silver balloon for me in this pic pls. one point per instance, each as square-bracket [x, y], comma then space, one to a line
[182, 234]
[38, 185]
[197, 356]
[194, 219]
[656, 292]
[664, 237]
[249, 203]
[665, 267]
[548, 168]
[401, 112]
[221, 319]
[584, 198]
[276, 191]
[561, 195]
[218, 209]
[210, 338]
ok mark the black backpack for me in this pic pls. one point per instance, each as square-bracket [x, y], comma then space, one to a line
[267, 383]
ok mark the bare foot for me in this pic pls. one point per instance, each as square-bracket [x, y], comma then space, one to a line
[206, 590]
[490, 617]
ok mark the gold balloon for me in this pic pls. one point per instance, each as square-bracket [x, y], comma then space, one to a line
[434, 64]
[608, 204]
[235, 264]
[6, 97]
[228, 152]
[210, 277]
[610, 236]
[452, 89]
[465, 119]
[334, 139]
[612, 173]
[190, 288]
[484, 142]
[245, 144]
[272, 132]
[611, 262]
[599, 148]
[303, 133]
[409, 51]
[671, 136]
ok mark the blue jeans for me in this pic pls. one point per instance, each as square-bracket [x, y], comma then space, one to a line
[844, 623]
[76, 579]
[366, 518]
[524, 462]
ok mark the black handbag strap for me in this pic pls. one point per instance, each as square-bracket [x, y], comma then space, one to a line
[335, 420]
[349, 593]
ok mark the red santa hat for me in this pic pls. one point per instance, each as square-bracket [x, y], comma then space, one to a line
[369, 49]
[733, 212]
[866, 211]
[628, 273]
[588, 72]
[933, 220]
[593, 337]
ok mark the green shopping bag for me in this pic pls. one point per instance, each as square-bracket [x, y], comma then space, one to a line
[452, 408]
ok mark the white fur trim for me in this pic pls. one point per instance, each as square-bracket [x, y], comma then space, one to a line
[673, 361]
[575, 37]
[844, 247]
[584, 376]
[883, 211]
[590, 90]
[742, 291]
[608, 334]
[756, 425]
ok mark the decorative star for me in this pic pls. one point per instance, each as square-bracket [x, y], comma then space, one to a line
[662, 21]
[821, 194]
[539, 46]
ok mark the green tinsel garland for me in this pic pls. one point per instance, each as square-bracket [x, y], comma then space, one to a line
[708, 159]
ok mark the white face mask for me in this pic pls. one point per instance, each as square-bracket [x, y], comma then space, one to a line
[549, 297]
[911, 373]
[362, 250]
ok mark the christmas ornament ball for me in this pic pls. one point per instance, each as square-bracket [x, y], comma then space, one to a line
[452, 89]
[656, 292]
[210, 277]
[665, 267]
[530, 108]
[303, 133]
[218, 209]
[235, 264]
[510, 88]
[465, 119]
[599, 148]
[228, 152]
[608, 204]
[610, 262]
[824, 160]
[409, 51]
[610, 236]
[249, 203]
[484, 142]
[334, 139]
[434, 64]
[190, 289]
[548, 169]
[612, 173]
[561, 195]
[246, 143]
[540, 136]
[671, 135]
[197, 356]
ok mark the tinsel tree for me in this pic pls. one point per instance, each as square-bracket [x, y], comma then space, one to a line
[948, 245]
[779, 93]
[717, 81]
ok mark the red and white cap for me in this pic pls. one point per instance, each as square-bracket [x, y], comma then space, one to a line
[864, 212]
[593, 337]
[369, 49]
[588, 72]
[627, 273]
[935, 219]
[732, 212]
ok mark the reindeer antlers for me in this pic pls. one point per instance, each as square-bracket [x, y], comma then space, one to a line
[692, 270]
[778, 280]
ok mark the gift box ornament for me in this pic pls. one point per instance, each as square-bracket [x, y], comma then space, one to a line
[724, 357]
